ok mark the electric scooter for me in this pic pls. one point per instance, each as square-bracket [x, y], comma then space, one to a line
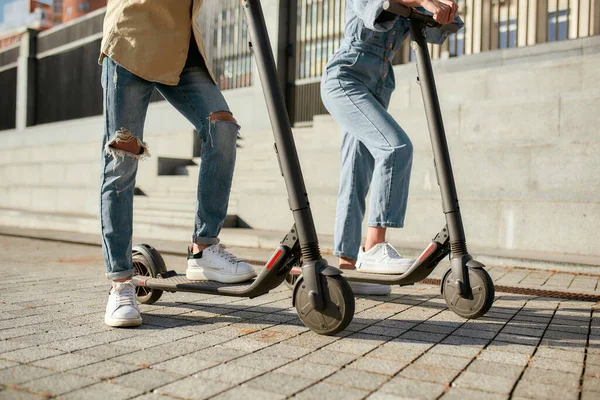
[323, 299]
[466, 287]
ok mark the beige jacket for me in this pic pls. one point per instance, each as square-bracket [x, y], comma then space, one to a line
[151, 38]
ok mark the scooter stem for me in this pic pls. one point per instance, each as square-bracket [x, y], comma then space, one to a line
[458, 248]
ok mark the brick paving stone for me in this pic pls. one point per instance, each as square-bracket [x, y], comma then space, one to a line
[428, 373]
[456, 351]
[146, 379]
[443, 361]
[504, 357]
[356, 344]
[592, 370]
[435, 328]
[413, 389]
[495, 369]
[589, 396]
[519, 339]
[218, 353]
[474, 333]
[184, 365]
[383, 331]
[333, 358]
[103, 390]
[58, 384]
[307, 370]
[385, 396]
[426, 337]
[245, 344]
[260, 362]
[229, 373]
[193, 388]
[458, 393]
[324, 390]
[357, 379]
[534, 390]
[522, 331]
[105, 370]
[30, 354]
[557, 365]
[485, 383]
[10, 345]
[247, 393]
[144, 357]
[105, 351]
[10, 394]
[498, 345]
[541, 375]
[65, 362]
[591, 384]
[279, 383]
[379, 366]
[22, 373]
[465, 341]
[6, 364]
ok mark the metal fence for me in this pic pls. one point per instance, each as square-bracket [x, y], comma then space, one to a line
[489, 25]
[226, 41]
[8, 99]
[66, 75]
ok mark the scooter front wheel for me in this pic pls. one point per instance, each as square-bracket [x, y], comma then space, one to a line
[339, 305]
[482, 287]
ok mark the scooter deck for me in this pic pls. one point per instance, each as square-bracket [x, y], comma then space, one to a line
[179, 283]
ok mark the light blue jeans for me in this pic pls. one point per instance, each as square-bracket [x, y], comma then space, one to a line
[126, 99]
[375, 151]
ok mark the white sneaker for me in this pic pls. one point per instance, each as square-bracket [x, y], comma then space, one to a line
[122, 308]
[370, 289]
[382, 259]
[217, 264]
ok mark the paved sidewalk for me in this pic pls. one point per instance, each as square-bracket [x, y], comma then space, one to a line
[53, 342]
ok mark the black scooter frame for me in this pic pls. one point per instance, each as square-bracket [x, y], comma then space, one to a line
[301, 243]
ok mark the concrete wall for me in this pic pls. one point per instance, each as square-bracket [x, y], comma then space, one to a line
[523, 131]
[522, 126]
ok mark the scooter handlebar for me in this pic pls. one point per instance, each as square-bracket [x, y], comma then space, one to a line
[410, 13]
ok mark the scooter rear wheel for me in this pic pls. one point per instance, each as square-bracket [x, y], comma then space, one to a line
[147, 261]
[483, 294]
[339, 306]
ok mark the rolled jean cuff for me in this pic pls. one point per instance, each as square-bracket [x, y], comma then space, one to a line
[205, 240]
[386, 224]
[347, 255]
[113, 276]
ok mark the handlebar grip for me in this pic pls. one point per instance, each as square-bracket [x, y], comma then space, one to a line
[410, 13]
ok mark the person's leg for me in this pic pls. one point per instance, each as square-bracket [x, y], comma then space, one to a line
[356, 169]
[364, 116]
[126, 99]
[202, 103]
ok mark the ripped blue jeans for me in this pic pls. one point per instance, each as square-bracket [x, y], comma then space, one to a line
[126, 99]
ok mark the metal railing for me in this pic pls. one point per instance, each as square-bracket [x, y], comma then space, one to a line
[489, 25]
[226, 41]
[8, 98]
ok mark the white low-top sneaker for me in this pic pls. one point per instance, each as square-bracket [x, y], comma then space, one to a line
[122, 308]
[217, 264]
[382, 259]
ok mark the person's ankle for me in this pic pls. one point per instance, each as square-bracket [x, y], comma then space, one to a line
[370, 245]
[347, 263]
[115, 281]
[196, 248]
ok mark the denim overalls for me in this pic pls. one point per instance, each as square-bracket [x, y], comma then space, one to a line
[356, 89]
